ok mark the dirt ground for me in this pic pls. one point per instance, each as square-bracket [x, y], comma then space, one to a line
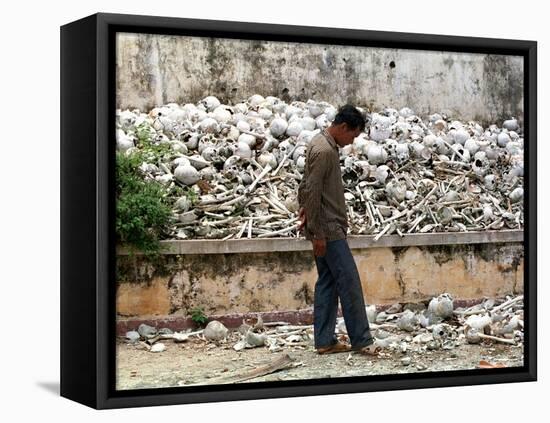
[199, 362]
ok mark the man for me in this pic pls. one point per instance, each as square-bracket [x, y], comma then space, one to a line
[323, 215]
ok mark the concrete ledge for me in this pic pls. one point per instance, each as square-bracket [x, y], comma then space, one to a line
[216, 246]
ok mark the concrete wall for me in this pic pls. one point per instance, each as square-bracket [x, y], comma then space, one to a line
[157, 69]
[228, 283]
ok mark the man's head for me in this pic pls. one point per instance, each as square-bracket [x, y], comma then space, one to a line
[347, 125]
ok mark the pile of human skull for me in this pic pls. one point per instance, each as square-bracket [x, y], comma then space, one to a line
[402, 175]
[441, 325]
[408, 331]
[413, 327]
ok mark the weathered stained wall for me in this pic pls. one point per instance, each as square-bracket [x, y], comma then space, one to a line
[158, 69]
[281, 281]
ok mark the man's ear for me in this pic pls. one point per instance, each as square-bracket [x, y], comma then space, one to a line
[343, 127]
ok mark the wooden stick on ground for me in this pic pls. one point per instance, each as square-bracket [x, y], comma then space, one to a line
[280, 363]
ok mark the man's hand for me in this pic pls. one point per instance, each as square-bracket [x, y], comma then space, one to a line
[319, 247]
[302, 217]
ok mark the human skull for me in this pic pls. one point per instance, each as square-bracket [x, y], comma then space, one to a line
[443, 332]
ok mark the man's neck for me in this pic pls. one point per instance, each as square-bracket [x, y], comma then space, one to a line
[331, 131]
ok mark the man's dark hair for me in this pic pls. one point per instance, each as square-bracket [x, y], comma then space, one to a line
[351, 116]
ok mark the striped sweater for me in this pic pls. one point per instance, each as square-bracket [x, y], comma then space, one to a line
[321, 191]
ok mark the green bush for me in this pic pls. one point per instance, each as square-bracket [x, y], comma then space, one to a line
[142, 207]
[198, 316]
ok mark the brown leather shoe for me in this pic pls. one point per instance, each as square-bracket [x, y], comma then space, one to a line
[335, 348]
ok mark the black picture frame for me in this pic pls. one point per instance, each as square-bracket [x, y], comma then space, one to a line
[87, 209]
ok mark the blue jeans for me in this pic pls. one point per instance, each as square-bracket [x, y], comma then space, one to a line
[339, 278]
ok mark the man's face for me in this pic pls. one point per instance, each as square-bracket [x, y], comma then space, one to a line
[347, 135]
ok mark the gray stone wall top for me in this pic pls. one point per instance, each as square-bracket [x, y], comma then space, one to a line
[157, 69]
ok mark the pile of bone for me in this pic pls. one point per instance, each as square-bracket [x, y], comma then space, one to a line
[273, 335]
[402, 174]
[250, 334]
[404, 328]
[412, 327]
[148, 337]
[417, 328]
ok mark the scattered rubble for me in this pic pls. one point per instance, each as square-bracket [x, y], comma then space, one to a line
[133, 336]
[455, 338]
[215, 331]
[441, 306]
[483, 364]
[485, 335]
[146, 331]
[159, 347]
